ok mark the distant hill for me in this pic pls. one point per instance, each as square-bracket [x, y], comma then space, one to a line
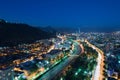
[66, 29]
[13, 33]
[49, 29]
[88, 29]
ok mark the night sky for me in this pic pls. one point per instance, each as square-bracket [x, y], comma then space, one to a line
[69, 13]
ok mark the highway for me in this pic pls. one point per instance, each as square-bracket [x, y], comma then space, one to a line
[54, 71]
[98, 73]
[57, 69]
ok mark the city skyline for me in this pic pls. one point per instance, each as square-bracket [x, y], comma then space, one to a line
[60, 40]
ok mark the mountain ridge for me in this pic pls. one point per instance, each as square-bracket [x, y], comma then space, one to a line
[16, 33]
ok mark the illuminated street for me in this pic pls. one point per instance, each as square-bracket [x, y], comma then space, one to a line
[54, 71]
[60, 40]
[98, 73]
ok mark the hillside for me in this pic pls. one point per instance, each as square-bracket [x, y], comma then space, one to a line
[12, 34]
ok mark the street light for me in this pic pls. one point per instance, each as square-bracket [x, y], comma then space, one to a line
[85, 72]
[119, 61]
[61, 78]
[76, 73]
[79, 70]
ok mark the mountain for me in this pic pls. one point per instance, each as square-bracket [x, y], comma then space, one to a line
[13, 33]
[88, 29]
[49, 29]
[66, 29]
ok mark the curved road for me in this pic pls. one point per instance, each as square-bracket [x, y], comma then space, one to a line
[54, 71]
[98, 73]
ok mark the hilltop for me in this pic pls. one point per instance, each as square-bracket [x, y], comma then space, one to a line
[16, 33]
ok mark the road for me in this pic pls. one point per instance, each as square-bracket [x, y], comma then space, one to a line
[98, 73]
[54, 71]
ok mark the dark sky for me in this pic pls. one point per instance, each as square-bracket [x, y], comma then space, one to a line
[62, 12]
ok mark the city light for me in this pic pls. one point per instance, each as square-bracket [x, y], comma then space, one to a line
[61, 78]
[119, 62]
[76, 73]
[60, 59]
